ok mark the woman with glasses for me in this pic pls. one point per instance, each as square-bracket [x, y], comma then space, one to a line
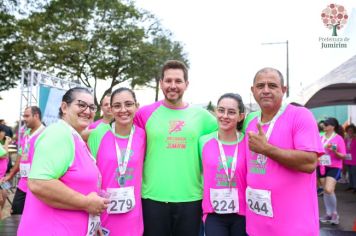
[64, 181]
[224, 170]
[119, 149]
[330, 165]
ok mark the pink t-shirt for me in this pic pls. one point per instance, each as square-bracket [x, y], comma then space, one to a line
[340, 147]
[95, 124]
[82, 175]
[214, 173]
[27, 151]
[351, 149]
[293, 193]
[102, 144]
[3, 165]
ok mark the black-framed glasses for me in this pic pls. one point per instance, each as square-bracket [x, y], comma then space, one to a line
[118, 106]
[83, 106]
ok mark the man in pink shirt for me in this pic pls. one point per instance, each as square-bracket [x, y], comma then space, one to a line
[284, 145]
[32, 117]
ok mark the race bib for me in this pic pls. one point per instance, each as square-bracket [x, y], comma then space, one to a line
[259, 201]
[122, 200]
[224, 201]
[105, 231]
[93, 225]
[348, 157]
[325, 160]
[25, 169]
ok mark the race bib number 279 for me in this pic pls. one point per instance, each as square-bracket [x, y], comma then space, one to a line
[122, 200]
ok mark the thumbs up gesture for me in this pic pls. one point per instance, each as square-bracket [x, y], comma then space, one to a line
[257, 141]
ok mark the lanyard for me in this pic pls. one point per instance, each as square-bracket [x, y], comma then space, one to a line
[74, 132]
[348, 143]
[272, 122]
[28, 137]
[325, 140]
[224, 161]
[122, 162]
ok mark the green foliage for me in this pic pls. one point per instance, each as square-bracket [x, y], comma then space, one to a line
[8, 51]
[210, 107]
[152, 57]
[86, 40]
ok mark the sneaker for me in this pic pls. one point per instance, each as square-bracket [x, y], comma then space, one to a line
[325, 219]
[335, 219]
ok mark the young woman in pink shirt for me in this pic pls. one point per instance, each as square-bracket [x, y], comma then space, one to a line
[224, 170]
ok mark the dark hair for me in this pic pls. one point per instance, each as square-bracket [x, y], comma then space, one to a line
[268, 69]
[35, 110]
[108, 94]
[351, 126]
[69, 97]
[175, 64]
[335, 123]
[122, 89]
[2, 128]
[240, 105]
[320, 128]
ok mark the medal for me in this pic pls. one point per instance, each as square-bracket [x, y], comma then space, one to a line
[24, 156]
[122, 161]
[122, 180]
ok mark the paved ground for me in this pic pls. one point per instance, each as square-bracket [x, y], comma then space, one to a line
[346, 208]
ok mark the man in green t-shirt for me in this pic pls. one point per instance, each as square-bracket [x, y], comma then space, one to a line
[172, 180]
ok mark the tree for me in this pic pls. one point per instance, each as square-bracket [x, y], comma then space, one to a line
[8, 65]
[152, 57]
[88, 41]
[210, 107]
[334, 17]
[15, 53]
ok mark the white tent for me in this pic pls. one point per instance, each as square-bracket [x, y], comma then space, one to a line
[338, 87]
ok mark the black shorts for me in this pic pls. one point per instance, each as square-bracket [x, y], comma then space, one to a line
[330, 171]
[18, 202]
[225, 224]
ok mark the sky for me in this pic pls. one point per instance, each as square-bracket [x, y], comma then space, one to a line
[224, 43]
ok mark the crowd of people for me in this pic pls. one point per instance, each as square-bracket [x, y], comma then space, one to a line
[171, 168]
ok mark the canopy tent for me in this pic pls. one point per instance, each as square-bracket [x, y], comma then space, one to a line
[335, 88]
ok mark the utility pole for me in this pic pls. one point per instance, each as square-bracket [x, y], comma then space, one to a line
[287, 60]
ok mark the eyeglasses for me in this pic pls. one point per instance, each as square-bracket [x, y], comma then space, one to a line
[118, 106]
[83, 106]
[230, 112]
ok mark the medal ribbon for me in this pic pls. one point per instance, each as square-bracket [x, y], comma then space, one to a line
[272, 122]
[74, 132]
[224, 161]
[325, 140]
[28, 137]
[348, 143]
[122, 163]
